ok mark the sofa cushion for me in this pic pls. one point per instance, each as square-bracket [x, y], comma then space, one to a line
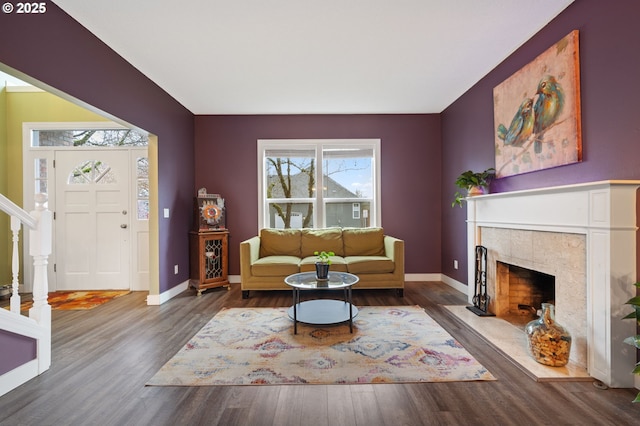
[363, 241]
[338, 264]
[279, 242]
[327, 239]
[369, 264]
[274, 266]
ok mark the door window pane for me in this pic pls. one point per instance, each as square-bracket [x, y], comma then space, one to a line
[92, 171]
[40, 178]
[142, 187]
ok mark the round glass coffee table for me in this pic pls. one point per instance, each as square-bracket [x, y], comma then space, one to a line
[322, 311]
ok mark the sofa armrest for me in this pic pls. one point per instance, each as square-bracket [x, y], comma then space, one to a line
[394, 249]
[249, 253]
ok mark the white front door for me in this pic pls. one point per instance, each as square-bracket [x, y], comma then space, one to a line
[92, 220]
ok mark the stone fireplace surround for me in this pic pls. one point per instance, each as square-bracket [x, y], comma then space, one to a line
[584, 235]
[562, 255]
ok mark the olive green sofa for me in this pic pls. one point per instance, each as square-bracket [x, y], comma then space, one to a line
[377, 259]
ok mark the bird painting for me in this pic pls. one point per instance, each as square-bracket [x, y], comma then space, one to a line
[547, 108]
[521, 126]
[534, 119]
[536, 112]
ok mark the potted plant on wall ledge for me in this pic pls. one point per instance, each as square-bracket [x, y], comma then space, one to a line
[475, 183]
[323, 260]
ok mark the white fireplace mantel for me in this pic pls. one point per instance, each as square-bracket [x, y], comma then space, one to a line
[605, 212]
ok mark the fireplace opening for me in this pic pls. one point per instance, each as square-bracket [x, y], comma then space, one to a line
[523, 291]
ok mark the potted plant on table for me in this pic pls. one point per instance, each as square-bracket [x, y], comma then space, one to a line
[475, 183]
[323, 260]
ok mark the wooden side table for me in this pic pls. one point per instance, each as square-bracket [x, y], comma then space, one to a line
[208, 260]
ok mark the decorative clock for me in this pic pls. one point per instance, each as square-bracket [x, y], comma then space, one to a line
[210, 212]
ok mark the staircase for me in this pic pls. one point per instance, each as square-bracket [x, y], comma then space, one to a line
[36, 328]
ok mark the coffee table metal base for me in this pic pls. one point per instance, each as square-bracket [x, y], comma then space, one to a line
[323, 312]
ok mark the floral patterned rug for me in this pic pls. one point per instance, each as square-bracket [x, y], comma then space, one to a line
[256, 346]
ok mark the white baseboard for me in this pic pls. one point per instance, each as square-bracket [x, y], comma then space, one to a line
[461, 287]
[422, 277]
[235, 279]
[159, 299]
[457, 285]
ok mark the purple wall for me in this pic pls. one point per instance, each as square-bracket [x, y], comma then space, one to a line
[23, 349]
[226, 163]
[419, 165]
[56, 50]
[610, 86]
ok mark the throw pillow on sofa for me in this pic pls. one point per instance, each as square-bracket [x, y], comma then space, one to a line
[279, 242]
[327, 239]
[363, 241]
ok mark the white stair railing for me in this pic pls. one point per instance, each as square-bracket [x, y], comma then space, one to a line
[39, 224]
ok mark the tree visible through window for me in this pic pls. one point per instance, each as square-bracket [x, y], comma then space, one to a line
[346, 170]
[92, 171]
[89, 138]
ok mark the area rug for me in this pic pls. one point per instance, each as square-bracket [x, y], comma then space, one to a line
[256, 346]
[77, 300]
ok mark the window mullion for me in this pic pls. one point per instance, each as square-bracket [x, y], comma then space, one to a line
[320, 183]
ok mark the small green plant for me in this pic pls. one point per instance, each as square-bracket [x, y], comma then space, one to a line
[323, 256]
[634, 340]
[470, 179]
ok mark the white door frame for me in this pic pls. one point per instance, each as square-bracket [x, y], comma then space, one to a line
[139, 274]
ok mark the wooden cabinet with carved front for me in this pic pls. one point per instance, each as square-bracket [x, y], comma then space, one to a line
[208, 253]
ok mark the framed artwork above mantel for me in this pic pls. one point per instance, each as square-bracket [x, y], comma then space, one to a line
[537, 112]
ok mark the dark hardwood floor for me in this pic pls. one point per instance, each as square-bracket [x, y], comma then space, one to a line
[102, 359]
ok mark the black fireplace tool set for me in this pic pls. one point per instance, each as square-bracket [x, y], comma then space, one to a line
[480, 297]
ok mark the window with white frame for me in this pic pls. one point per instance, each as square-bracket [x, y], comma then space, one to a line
[319, 183]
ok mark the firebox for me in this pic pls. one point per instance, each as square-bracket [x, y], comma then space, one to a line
[523, 291]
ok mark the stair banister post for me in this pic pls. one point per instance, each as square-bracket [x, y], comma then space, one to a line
[40, 240]
[15, 265]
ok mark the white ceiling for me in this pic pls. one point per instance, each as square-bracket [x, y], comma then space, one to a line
[311, 56]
